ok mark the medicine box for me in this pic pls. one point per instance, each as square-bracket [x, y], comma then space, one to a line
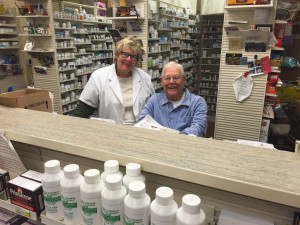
[27, 194]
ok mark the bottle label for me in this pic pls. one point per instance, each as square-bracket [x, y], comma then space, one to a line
[136, 219]
[112, 215]
[52, 200]
[91, 211]
[70, 203]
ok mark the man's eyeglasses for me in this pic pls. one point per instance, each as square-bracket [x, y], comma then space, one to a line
[125, 55]
[168, 79]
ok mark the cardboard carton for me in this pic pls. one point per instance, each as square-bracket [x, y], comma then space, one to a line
[241, 2]
[34, 99]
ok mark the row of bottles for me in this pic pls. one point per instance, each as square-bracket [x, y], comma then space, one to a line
[111, 198]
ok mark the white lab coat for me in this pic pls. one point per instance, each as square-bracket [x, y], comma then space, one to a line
[103, 92]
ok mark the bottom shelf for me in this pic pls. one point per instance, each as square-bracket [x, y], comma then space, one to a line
[14, 208]
[49, 221]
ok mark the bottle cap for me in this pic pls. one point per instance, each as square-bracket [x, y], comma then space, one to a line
[52, 166]
[92, 176]
[137, 189]
[164, 195]
[191, 203]
[71, 171]
[111, 166]
[113, 182]
[133, 169]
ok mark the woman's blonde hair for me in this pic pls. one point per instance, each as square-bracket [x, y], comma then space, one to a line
[132, 43]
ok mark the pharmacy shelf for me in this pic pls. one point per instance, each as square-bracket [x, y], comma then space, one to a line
[17, 209]
[49, 221]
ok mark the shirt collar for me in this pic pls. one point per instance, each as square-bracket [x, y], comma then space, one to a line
[186, 100]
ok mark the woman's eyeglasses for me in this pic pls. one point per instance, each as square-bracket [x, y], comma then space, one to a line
[125, 55]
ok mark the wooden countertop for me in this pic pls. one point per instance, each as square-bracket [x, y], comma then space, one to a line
[266, 174]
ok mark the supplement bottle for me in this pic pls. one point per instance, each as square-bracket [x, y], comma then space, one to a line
[51, 189]
[70, 193]
[111, 167]
[90, 194]
[112, 198]
[137, 205]
[133, 173]
[190, 212]
[163, 208]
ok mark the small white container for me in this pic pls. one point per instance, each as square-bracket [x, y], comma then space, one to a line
[70, 193]
[163, 207]
[90, 194]
[137, 204]
[110, 167]
[51, 189]
[133, 173]
[112, 197]
[190, 212]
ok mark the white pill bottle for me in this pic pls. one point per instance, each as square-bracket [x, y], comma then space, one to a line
[90, 195]
[163, 207]
[51, 189]
[137, 204]
[112, 198]
[133, 173]
[111, 167]
[190, 212]
[70, 193]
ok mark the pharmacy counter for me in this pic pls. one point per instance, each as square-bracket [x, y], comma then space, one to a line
[228, 174]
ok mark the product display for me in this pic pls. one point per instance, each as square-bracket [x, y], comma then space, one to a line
[190, 212]
[137, 204]
[51, 189]
[111, 167]
[163, 207]
[70, 193]
[133, 173]
[112, 197]
[90, 194]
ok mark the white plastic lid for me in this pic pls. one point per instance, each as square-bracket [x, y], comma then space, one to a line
[92, 176]
[137, 189]
[113, 182]
[111, 166]
[164, 195]
[52, 166]
[71, 171]
[133, 169]
[191, 203]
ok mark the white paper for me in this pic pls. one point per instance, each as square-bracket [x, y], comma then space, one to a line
[9, 160]
[242, 87]
[234, 218]
[149, 123]
[255, 144]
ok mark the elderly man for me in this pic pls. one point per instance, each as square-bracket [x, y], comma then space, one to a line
[176, 107]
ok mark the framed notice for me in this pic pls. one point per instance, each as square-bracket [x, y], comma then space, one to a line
[264, 27]
[235, 43]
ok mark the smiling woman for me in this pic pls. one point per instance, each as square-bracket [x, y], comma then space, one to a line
[117, 92]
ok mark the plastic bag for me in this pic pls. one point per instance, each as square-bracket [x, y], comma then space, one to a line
[290, 62]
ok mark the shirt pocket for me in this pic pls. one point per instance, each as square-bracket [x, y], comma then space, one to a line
[184, 121]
